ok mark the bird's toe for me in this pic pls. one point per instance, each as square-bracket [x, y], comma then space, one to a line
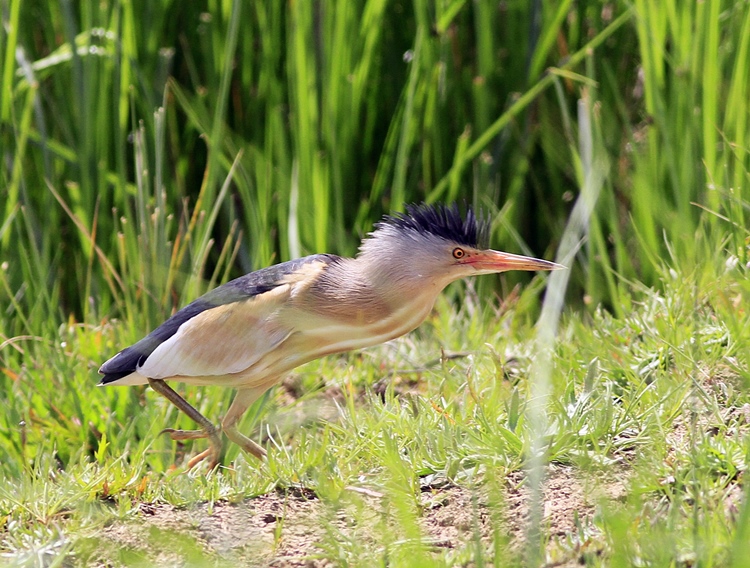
[254, 449]
[185, 434]
[195, 460]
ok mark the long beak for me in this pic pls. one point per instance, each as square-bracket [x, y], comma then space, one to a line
[496, 261]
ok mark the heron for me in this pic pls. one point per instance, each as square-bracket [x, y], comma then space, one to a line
[248, 333]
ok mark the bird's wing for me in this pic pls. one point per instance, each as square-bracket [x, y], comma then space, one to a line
[223, 332]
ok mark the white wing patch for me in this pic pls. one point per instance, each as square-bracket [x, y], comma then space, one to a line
[222, 340]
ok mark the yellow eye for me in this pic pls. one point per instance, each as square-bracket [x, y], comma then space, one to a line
[458, 253]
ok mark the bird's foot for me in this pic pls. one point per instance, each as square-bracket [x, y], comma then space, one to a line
[208, 430]
[244, 442]
[213, 452]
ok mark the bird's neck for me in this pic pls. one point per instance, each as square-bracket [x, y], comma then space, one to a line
[367, 300]
[396, 286]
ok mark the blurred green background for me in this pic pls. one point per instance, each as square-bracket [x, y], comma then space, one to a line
[120, 122]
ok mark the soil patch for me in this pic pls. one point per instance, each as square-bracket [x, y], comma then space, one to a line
[286, 529]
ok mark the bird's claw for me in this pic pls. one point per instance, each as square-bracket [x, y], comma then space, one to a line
[185, 434]
[214, 451]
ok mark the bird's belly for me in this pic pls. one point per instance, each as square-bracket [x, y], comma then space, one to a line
[328, 337]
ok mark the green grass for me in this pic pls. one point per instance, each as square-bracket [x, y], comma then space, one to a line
[151, 150]
[655, 400]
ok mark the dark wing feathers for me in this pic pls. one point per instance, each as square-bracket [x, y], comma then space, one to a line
[242, 288]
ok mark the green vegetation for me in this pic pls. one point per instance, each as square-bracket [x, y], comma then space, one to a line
[151, 150]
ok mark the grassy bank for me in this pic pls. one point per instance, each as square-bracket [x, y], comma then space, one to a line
[647, 423]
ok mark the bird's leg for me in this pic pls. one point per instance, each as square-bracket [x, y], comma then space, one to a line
[208, 430]
[242, 401]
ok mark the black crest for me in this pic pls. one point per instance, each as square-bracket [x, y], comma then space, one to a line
[444, 221]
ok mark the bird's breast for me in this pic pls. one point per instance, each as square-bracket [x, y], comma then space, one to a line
[358, 327]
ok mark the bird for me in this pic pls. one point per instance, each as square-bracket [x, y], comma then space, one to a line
[250, 332]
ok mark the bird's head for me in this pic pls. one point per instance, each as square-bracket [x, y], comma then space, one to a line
[435, 245]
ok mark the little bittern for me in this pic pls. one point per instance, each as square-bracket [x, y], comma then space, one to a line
[249, 332]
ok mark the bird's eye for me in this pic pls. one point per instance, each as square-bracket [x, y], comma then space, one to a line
[459, 253]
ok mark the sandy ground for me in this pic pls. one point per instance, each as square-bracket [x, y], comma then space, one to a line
[286, 529]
